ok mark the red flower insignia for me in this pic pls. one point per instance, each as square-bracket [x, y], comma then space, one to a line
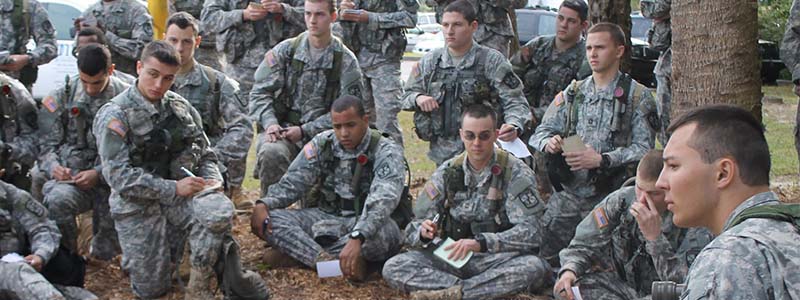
[75, 111]
[362, 159]
[6, 90]
[496, 170]
[619, 92]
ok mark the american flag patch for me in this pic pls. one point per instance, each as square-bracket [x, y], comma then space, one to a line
[309, 151]
[600, 217]
[431, 190]
[50, 103]
[116, 126]
[270, 59]
[559, 99]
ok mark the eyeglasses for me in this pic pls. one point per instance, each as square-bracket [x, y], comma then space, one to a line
[483, 136]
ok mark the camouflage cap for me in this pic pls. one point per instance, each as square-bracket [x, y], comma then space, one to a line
[579, 6]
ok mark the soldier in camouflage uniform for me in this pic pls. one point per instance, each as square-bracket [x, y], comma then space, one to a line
[609, 113]
[127, 25]
[463, 73]
[69, 152]
[660, 39]
[628, 242]
[218, 100]
[18, 140]
[18, 21]
[358, 175]
[790, 53]
[206, 53]
[245, 32]
[151, 144]
[25, 230]
[485, 200]
[716, 176]
[494, 24]
[295, 85]
[93, 35]
[374, 30]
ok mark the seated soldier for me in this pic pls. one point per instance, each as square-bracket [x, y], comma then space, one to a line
[25, 230]
[359, 176]
[635, 228]
[18, 144]
[486, 200]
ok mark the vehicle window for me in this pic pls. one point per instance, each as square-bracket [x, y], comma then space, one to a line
[547, 24]
[527, 25]
[423, 19]
[640, 28]
[62, 17]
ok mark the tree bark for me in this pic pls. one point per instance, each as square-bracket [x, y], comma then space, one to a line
[715, 54]
[617, 12]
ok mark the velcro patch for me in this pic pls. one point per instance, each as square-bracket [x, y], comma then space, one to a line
[35, 208]
[511, 80]
[270, 59]
[310, 151]
[431, 191]
[600, 217]
[559, 99]
[50, 103]
[384, 171]
[528, 199]
[116, 126]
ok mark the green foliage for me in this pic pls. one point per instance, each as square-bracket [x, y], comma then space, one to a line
[772, 16]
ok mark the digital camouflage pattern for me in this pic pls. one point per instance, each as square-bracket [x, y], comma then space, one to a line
[40, 28]
[128, 27]
[660, 39]
[494, 24]
[754, 260]
[207, 53]
[18, 123]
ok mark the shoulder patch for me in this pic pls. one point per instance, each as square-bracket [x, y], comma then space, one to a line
[269, 58]
[384, 171]
[653, 121]
[35, 208]
[559, 99]
[511, 80]
[528, 199]
[431, 190]
[50, 104]
[600, 217]
[116, 126]
[415, 70]
[310, 151]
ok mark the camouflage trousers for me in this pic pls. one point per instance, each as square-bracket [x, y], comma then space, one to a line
[38, 178]
[273, 160]
[152, 239]
[444, 148]
[244, 76]
[485, 276]
[606, 286]
[235, 163]
[21, 281]
[66, 201]
[663, 71]
[563, 212]
[209, 56]
[382, 98]
[493, 40]
[305, 233]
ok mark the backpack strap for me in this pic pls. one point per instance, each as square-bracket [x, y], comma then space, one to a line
[214, 88]
[21, 18]
[781, 212]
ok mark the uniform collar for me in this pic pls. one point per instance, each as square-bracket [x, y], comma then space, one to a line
[303, 53]
[343, 154]
[193, 78]
[467, 62]
[606, 93]
[765, 198]
[111, 90]
[483, 176]
[139, 102]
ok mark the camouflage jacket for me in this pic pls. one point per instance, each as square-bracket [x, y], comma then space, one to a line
[660, 34]
[755, 260]
[221, 107]
[790, 47]
[381, 40]
[128, 27]
[62, 118]
[39, 27]
[492, 15]
[245, 42]
[125, 126]
[18, 127]
[594, 126]
[520, 207]
[24, 226]
[195, 8]
[545, 72]
[387, 175]
[306, 96]
[610, 237]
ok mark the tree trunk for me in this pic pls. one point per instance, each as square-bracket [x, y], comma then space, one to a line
[617, 12]
[715, 54]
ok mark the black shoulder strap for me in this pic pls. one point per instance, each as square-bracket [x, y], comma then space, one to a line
[781, 212]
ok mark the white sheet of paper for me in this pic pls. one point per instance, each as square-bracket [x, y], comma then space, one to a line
[12, 258]
[516, 147]
[329, 268]
[577, 292]
[442, 254]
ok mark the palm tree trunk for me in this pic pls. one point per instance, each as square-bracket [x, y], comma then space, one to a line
[715, 54]
[617, 12]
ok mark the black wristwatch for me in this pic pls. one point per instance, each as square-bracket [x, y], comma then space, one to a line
[356, 235]
[605, 162]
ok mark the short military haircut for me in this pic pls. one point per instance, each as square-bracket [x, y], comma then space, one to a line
[93, 59]
[729, 131]
[331, 4]
[650, 165]
[183, 20]
[95, 32]
[161, 51]
[617, 35]
[578, 6]
[478, 111]
[462, 7]
[344, 103]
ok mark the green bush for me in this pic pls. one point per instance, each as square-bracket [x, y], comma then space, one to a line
[772, 16]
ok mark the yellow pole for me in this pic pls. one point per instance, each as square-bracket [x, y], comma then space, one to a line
[158, 9]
